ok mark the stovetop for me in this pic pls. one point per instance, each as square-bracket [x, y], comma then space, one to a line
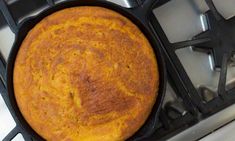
[201, 66]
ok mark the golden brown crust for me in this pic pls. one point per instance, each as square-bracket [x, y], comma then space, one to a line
[85, 73]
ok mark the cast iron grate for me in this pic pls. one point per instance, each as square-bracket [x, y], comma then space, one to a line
[218, 40]
[13, 21]
[184, 112]
[13, 13]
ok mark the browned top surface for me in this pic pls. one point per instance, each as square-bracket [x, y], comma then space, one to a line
[85, 73]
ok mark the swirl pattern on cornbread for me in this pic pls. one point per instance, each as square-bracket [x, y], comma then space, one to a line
[85, 73]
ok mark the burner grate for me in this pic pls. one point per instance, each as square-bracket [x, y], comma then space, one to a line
[8, 16]
[3, 91]
[192, 104]
[18, 9]
[2, 69]
[219, 40]
[13, 24]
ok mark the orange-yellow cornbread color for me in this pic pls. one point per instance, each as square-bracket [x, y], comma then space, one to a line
[85, 74]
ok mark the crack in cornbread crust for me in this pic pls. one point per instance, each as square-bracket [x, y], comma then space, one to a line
[85, 73]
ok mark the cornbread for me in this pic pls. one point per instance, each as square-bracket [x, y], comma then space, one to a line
[85, 74]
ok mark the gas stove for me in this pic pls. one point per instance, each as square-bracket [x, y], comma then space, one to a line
[199, 45]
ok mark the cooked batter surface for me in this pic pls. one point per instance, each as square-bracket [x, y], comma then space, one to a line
[85, 74]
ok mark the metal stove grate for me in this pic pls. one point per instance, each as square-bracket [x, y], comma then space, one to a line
[13, 24]
[219, 40]
[189, 106]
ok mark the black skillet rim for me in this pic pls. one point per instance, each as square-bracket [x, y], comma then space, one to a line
[29, 23]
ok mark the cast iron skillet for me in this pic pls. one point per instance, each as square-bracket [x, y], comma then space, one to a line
[138, 15]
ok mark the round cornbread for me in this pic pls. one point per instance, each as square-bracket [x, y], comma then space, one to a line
[86, 74]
